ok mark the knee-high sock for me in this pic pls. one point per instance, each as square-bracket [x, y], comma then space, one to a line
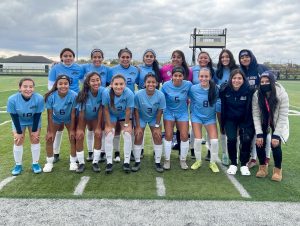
[168, 148]
[224, 144]
[89, 140]
[268, 146]
[214, 150]
[184, 149]
[137, 149]
[18, 154]
[35, 152]
[57, 142]
[116, 143]
[253, 148]
[198, 148]
[127, 146]
[158, 152]
[96, 156]
[109, 146]
[103, 141]
[80, 156]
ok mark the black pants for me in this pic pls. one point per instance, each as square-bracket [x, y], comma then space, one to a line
[231, 130]
[277, 153]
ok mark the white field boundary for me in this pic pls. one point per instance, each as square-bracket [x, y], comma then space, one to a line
[81, 186]
[5, 122]
[7, 180]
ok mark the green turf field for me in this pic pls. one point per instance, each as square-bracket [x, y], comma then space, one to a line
[200, 184]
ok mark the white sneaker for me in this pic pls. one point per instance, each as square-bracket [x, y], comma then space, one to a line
[245, 171]
[48, 167]
[117, 159]
[232, 170]
[73, 166]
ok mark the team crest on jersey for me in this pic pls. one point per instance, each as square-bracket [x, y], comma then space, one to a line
[123, 100]
[102, 73]
[33, 107]
[75, 73]
[69, 103]
[132, 73]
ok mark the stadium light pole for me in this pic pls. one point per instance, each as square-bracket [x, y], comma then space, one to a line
[76, 30]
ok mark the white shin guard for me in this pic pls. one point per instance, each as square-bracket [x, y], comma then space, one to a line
[18, 154]
[137, 149]
[35, 152]
[184, 149]
[158, 152]
[214, 150]
[109, 146]
[90, 140]
[127, 146]
[57, 142]
[198, 148]
[96, 156]
[168, 148]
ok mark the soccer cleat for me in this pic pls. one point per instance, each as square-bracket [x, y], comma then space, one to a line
[251, 163]
[167, 164]
[213, 166]
[158, 168]
[245, 171]
[183, 165]
[17, 170]
[48, 167]
[73, 166]
[207, 157]
[36, 168]
[196, 165]
[56, 158]
[96, 167]
[80, 168]
[232, 170]
[108, 168]
[136, 167]
[203, 142]
[225, 159]
[126, 168]
[89, 158]
[193, 154]
[142, 153]
[117, 157]
[102, 157]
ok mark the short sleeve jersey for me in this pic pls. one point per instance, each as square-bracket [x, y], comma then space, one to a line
[103, 71]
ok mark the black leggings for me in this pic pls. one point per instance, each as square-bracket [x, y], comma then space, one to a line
[277, 153]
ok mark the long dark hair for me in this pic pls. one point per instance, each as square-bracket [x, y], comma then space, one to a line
[232, 65]
[54, 87]
[210, 63]
[212, 92]
[272, 101]
[83, 94]
[64, 50]
[155, 64]
[112, 92]
[233, 73]
[184, 64]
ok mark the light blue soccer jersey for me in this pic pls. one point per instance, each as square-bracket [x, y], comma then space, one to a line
[61, 106]
[25, 109]
[176, 96]
[225, 78]
[92, 105]
[195, 70]
[74, 72]
[126, 100]
[130, 74]
[199, 103]
[103, 71]
[149, 105]
[144, 70]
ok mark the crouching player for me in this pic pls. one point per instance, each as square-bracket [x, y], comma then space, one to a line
[149, 104]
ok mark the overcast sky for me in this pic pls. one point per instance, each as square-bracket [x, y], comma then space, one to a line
[271, 29]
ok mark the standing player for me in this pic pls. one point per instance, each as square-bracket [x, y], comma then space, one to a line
[67, 67]
[203, 112]
[118, 101]
[89, 100]
[25, 108]
[60, 104]
[149, 104]
[176, 93]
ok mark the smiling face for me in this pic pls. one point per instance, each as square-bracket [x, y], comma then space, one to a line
[176, 59]
[118, 85]
[97, 59]
[177, 78]
[148, 58]
[63, 86]
[204, 77]
[94, 83]
[125, 59]
[27, 88]
[245, 60]
[151, 84]
[203, 59]
[67, 58]
[225, 59]
[237, 81]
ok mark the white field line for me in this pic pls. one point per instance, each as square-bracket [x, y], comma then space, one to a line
[5, 122]
[243, 192]
[295, 106]
[3, 107]
[294, 112]
[81, 186]
[160, 187]
[6, 181]
[3, 112]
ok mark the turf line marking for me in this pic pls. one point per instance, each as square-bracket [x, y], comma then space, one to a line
[3, 111]
[81, 186]
[160, 187]
[6, 181]
[243, 192]
[294, 106]
[3, 107]
[5, 122]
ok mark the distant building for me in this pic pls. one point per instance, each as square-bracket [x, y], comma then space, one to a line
[25, 64]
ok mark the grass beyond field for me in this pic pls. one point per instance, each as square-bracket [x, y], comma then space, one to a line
[200, 184]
